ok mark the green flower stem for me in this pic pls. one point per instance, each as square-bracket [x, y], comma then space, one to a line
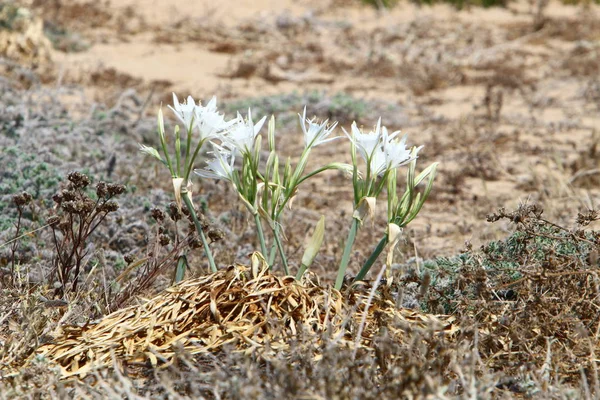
[163, 143]
[261, 235]
[190, 163]
[372, 258]
[168, 160]
[178, 149]
[281, 252]
[319, 170]
[272, 254]
[188, 146]
[190, 207]
[346, 256]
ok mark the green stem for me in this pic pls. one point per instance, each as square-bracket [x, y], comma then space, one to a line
[272, 254]
[188, 146]
[163, 143]
[274, 249]
[168, 160]
[190, 163]
[178, 149]
[190, 207]
[261, 235]
[372, 258]
[346, 255]
[291, 189]
[281, 252]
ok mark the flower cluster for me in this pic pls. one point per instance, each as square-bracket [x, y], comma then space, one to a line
[380, 150]
[267, 188]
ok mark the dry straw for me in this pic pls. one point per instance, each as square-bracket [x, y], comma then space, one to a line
[247, 308]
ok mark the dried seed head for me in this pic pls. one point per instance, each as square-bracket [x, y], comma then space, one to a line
[22, 199]
[87, 205]
[115, 189]
[101, 189]
[164, 240]
[216, 235]
[174, 212]
[195, 243]
[58, 198]
[201, 218]
[109, 206]
[584, 219]
[73, 207]
[157, 214]
[78, 179]
[68, 195]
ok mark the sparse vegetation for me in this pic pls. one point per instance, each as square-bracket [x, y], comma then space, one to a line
[492, 291]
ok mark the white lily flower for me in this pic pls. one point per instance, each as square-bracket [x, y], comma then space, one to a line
[241, 135]
[184, 111]
[380, 149]
[396, 153]
[366, 143]
[378, 162]
[221, 167]
[314, 133]
[209, 121]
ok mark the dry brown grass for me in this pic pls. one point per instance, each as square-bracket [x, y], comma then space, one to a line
[248, 309]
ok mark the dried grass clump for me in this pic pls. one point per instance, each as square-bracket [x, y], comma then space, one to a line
[533, 298]
[247, 309]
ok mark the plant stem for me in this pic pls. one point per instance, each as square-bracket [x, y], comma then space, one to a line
[190, 163]
[271, 260]
[301, 272]
[13, 247]
[261, 235]
[281, 252]
[346, 255]
[190, 207]
[372, 258]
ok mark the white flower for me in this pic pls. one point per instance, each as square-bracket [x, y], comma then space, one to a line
[378, 161]
[206, 118]
[370, 147]
[366, 143]
[221, 167]
[380, 149]
[240, 136]
[315, 134]
[184, 111]
[396, 153]
[209, 121]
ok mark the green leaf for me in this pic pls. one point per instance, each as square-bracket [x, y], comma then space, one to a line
[182, 265]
